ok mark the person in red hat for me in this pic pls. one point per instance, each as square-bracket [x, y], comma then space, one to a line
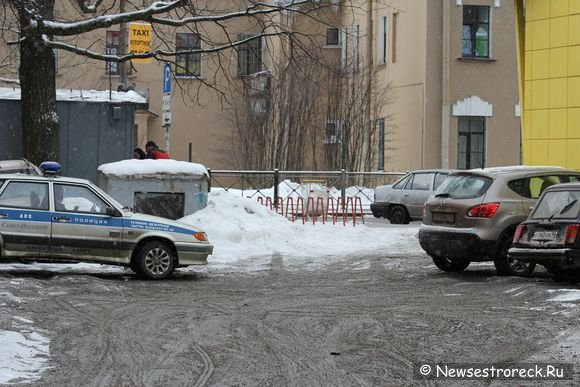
[153, 151]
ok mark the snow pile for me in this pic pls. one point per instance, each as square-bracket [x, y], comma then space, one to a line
[240, 228]
[136, 167]
[82, 95]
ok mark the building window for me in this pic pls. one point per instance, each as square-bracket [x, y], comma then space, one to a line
[394, 23]
[250, 55]
[475, 36]
[356, 49]
[471, 142]
[187, 64]
[344, 49]
[332, 37]
[383, 40]
[333, 132]
[112, 48]
[381, 150]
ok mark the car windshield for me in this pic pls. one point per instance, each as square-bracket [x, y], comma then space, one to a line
[558, 205]
[463, 186]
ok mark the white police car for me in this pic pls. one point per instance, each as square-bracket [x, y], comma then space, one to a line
[56, 219]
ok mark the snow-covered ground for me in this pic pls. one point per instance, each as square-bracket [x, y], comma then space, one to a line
[246, 235]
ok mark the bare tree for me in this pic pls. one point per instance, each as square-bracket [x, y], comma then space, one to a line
[38, 27]
[311, 112]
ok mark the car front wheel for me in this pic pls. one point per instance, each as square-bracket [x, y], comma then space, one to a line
[450, 265]
[398, 215]
[154, 260]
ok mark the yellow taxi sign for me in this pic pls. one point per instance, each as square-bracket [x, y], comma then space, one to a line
[140, 40]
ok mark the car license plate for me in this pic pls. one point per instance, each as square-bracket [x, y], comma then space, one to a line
[545, 235]
[443, 217]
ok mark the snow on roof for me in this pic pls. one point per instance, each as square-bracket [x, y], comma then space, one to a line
[151, 167]
[81, 95]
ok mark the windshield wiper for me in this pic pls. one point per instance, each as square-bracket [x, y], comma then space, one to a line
[568, 206]
[442, 195]
[564, 209]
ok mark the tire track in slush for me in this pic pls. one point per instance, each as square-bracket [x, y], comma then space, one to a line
[107, 354]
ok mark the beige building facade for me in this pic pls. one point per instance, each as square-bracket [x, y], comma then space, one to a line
[450, 66]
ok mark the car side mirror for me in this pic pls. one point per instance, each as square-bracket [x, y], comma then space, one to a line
[531, 208]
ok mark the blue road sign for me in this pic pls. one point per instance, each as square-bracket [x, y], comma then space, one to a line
[167, 78]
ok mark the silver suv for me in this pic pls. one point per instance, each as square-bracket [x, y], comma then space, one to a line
[473, 215]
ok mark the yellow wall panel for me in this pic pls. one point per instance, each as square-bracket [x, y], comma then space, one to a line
[540, 64]
[559, 32]
[574, 29]
[540, 94]
[530, 10]
[573, 92]
[573, 61]
[573, 156]
[540, 124]
[541, 9]
[529, 33]
[558, 62]
[574, 6]
[527, 126]
[558, 123]
[558, 93]
[527, 96]
[559, 8]
[541, 35]
[557, 152]
[526, 150]
[538, 152]
[573, 131]
[528, 66]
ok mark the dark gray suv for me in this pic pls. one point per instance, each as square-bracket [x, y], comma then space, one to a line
[474, 214]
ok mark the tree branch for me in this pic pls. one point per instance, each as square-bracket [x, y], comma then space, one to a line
[157, 54]
[149, 15]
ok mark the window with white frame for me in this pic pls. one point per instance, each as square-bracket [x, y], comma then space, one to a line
[332, 37]
[471, 142]
[381, 150]
[475, 34]
[250, 54]
[333, 132]
[383, 40]
[187, 64]
[344, 49]
[356, 49]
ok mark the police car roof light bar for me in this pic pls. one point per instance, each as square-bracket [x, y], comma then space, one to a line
[50, 168]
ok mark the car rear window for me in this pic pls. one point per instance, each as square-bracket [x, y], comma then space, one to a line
[558, 205]
[464, 186]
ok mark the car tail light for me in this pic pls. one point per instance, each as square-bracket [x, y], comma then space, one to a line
[200, 236]
[486, 210]
[519, 233]
[571, 233]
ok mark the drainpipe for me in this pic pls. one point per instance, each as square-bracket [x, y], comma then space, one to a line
[445, 86]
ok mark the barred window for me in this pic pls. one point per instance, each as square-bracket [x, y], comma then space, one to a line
[188, 64]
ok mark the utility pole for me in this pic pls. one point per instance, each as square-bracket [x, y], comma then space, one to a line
[369, 124]
[122, 46]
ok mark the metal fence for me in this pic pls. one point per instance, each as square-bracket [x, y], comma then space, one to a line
[278, 185]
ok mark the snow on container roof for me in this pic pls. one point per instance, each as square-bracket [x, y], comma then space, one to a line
[151, 167]
[82, 95]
